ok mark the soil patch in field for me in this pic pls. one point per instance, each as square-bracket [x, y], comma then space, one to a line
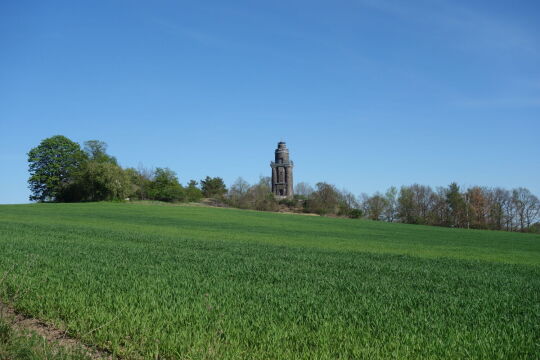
[55, 337]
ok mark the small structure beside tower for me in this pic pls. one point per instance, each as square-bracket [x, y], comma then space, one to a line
[282, 173]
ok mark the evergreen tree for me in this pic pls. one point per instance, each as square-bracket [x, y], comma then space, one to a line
[456, 205]
[213, 187]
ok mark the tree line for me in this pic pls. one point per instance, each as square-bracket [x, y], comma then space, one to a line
[62, 171]
[473, 208]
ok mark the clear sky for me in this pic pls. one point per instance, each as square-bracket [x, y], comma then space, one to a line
[366, 93]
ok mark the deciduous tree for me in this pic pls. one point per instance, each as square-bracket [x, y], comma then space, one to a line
[99, 181]
[52, 165]
[390, 212]
[303, 189]
[324, 200]
[165, 186]
[96, 150]
[193, 193]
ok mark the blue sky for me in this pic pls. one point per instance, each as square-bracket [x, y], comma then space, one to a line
[367, 93]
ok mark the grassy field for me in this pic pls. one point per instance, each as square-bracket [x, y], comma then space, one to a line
[147, 281]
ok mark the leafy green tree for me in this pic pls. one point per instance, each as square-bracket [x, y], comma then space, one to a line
[141, 180]
[193, 193]
[534, 228]
[52, 165]
[133, 176]
[96, 150]
[356, 213]
[213, 187]
[165, 186]
[99, 181]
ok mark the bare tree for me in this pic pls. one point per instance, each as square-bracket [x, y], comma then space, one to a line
[362, 201]
[497, 206]
[260, 196]
[415, 204]
[266, 181]
[390, 212]
[376, 206]
[526, 207]
[439, 209]
[347, 202]
[510, 213]
[477, 207]
[349, 199]
[532, 211]
[325, 200]
[237, 193]
[303, 189]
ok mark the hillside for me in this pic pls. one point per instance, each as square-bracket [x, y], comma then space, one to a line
[200, 282]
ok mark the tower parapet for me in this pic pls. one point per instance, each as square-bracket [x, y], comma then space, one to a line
[282, 172]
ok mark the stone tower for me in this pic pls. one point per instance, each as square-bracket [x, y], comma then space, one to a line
[282, 173]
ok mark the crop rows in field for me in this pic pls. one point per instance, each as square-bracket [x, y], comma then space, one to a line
[209, 283]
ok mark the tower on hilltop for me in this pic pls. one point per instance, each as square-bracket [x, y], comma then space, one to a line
[282, 172]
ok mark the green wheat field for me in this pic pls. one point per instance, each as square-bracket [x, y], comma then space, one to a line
[188, 282]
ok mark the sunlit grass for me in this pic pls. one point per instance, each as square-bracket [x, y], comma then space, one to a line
[198, 282]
